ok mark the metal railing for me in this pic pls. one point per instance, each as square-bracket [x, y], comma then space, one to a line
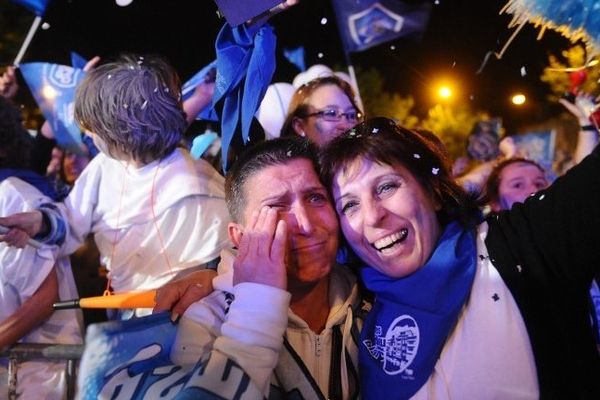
[71, 353]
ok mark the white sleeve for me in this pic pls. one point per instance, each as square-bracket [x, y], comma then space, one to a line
[248, 331]
[78, 208]
[22, 271]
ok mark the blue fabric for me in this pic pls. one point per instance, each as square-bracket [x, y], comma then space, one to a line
[37, 6]
[201, 143]
[77, 61]
[245, 67]
[296, 57]
[367, 23]
[124, 359]
[53, 88]
[411, 318]
[36, 180]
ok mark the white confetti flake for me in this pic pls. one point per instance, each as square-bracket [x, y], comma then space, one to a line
[435, 171]
[417, 156]
[375, 130]
[523, 71]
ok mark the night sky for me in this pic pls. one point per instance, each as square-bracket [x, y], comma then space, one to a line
[459, 34]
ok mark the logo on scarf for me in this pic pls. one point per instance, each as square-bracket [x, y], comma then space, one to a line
[398, 348]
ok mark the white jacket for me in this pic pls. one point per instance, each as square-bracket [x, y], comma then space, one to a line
[252, 325]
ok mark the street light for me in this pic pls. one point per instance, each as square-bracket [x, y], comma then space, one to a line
[518, 99]
[444, 92]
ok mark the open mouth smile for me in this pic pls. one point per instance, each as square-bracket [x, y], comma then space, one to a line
[390, 241]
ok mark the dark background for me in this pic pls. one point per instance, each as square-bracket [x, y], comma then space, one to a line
[458, 36]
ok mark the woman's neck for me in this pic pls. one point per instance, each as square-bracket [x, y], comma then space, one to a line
[312, 304]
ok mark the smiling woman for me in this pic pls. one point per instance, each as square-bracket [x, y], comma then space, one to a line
[438, 274]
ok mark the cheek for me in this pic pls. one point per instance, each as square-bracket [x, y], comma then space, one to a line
[351, 234]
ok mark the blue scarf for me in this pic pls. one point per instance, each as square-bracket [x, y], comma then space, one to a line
[245, 66]
[404, 333]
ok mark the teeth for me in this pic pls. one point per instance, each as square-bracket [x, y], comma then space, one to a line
[390, 240]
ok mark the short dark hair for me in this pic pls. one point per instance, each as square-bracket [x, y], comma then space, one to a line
[298, 107]
[381, 140]
[134, 105]
[258, 157]
[491, 190]
[15, 141]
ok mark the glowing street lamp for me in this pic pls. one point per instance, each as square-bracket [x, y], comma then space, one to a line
[518, 99]
[444, 92]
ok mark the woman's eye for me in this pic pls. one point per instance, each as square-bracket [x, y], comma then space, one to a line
[386, 187]
[348, 207]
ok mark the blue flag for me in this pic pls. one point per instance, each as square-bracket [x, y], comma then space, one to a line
[130, 360]
[36, 6]
[367, 23]
[53, 88]
[124, 359]
[539, 147]
[296, 57]
[77, 61]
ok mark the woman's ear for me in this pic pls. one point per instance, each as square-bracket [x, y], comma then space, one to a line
[235, 232]
[298, 126]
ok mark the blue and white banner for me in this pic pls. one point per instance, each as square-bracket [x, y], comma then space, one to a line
[53, 87]
[36, 6]
[126, 360]
[367, 23]
[129, 360]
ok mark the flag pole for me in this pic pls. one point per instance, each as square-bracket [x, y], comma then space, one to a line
[354, 80]
[25, 45]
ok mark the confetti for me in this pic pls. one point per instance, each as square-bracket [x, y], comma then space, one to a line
[417, 156]
[542, 197]
[435, 171]
[109, 76]
[375, 130]
[144, 104]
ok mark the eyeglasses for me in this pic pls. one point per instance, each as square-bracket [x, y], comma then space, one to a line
[334, 115]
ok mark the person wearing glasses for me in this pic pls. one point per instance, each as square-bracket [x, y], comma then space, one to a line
[321, 110]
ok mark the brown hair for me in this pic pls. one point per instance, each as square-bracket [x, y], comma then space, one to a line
[491, 191]
[381, 140]
[298, 104]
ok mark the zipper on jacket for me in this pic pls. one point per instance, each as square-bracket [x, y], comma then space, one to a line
[318, 345]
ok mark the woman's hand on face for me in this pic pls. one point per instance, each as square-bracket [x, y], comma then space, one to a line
[262, 250]
[178, 295]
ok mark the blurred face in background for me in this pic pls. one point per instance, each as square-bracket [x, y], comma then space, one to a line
[330, 113]
[73, 164]
[518, 181]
